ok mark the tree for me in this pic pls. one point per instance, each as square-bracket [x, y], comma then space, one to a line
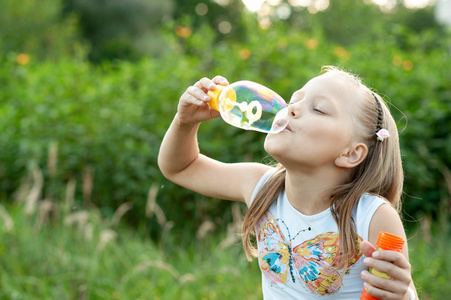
[118, 29]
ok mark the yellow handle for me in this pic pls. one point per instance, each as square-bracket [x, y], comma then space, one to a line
[380, 274]
[215, 97]
[230, 97]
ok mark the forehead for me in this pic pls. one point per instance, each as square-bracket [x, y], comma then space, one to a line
[334, 82]
[339, 87]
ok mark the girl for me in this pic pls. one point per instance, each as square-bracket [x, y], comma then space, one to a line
[337, 185]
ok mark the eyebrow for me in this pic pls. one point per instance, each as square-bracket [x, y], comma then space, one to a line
[295, 94]
[330, 105]
[322, 97]
[333, 104]
[318, 98]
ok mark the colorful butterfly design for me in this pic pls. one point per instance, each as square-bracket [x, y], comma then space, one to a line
[314, 262]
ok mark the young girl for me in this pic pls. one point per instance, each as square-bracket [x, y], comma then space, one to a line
[318, 213]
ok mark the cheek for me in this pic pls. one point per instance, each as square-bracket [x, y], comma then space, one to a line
[333, 132]
[329, 141]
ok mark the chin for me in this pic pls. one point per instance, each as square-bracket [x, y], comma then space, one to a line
[273, 147]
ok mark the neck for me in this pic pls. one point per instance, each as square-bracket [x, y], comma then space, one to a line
[310, 193]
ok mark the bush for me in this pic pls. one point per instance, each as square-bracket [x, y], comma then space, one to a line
[38, 28]
[103, 124]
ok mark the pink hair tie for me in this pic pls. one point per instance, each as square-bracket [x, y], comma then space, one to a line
[382, 134]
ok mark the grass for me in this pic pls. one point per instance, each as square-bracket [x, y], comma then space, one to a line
[431, 267]
[78, 255]
[50, 250]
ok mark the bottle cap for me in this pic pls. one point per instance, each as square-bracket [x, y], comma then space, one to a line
[366, 296]
[215, 97]
[387, 241]
[228, 98]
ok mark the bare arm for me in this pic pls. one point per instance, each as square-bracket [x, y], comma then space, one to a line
[180, 160]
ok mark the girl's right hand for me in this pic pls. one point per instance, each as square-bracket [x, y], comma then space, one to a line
[193, 105]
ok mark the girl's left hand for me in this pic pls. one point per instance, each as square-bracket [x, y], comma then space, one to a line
[392, 263]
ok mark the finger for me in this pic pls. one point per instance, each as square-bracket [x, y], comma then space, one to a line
[380, 293]
[189, 98]
[218, 79]
[393, 271]
[198, 93]
[367, 248]
[392, 256]
[205, 84]
[392, 286]
[214, 113]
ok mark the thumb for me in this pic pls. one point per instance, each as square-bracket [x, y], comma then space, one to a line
[367, 248]
[214, 113]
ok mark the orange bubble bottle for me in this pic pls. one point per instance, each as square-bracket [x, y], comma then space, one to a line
[385, 241]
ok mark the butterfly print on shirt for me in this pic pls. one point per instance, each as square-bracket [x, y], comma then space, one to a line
[314, 262]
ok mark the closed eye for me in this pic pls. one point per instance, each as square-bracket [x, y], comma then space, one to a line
[318, 111]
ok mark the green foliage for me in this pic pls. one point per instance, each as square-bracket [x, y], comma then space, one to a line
[431, 268]
[105, 123]
[94, 132]
[56, 251]
[118, 29]
[37, 27]
[367, 21]
[213, 15]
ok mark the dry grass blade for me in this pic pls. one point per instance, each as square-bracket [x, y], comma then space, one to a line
[45, 208]
[24, 189]
[7, 220]
[122, 209]
[188, 277]
[106, 236]
[234, 228]
[151, 200]
[88, 183]
[161, 265]
[35, 192]
[52, 161]
[206, 227]
[80, 218]
[70, 191]
[152, 208]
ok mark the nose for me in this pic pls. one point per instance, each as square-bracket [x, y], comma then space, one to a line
[294, 110]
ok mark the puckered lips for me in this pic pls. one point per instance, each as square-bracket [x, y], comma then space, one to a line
[288, 127]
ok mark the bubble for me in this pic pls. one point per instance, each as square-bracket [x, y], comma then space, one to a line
[251, 106]
[280, 121]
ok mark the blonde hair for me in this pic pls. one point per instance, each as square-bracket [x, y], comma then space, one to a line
[380, 173]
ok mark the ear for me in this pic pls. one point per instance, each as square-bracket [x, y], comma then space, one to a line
[352, 156]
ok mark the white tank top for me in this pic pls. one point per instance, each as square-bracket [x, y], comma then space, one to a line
[298, 254]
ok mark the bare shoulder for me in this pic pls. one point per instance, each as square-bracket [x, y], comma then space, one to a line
[243, 178]
[258, 170]
[386, 219]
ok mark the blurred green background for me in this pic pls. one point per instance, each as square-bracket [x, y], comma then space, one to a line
[89, 87]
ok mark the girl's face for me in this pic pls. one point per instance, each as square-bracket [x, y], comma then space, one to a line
[320, 124]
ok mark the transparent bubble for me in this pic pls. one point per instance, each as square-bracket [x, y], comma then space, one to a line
[280, 121]
[251, 106]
